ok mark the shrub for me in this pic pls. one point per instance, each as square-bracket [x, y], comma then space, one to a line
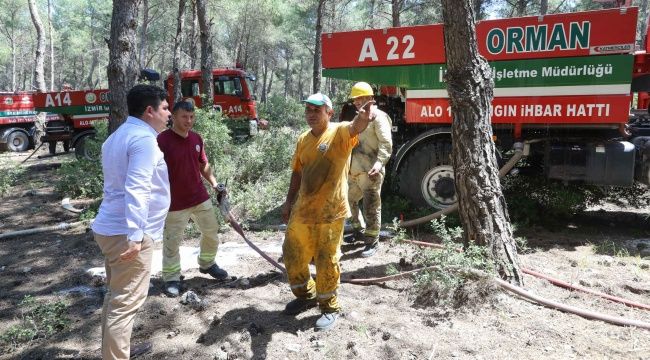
[453, 271]
[38, 320]
[83, 177]
[282, 112]
[257, 171]
[9, 175]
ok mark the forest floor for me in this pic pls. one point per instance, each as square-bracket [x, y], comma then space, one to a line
[242, 317]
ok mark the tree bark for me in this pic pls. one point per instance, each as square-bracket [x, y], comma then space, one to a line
[122, 70]
[13, 65]
[287, 72]
[396, 9]
[206, 54]
[49, 23]
[316, 77]
[482, 207]
[265, 73]
[39, 76]
[192, 37]
[180, 23]
[144, 43]
[94, 57]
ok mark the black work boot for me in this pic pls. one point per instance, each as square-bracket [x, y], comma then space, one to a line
[216, 272]
[357, 235]
[296, 306]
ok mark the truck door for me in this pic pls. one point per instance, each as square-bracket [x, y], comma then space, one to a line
[228, 96]
[190, 90]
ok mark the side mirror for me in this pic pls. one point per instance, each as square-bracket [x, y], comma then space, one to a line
[149, 75]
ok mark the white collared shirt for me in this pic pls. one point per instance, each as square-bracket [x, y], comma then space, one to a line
[136, 184]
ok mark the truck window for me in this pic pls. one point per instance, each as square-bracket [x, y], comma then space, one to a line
[190, 88]
[229, 86]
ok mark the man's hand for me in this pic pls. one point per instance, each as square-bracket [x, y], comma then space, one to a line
[375, 170]
[221, 191]
[286, 212]
[131, 252]
[366, 111]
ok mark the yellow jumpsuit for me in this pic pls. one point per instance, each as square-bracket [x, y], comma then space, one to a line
[315, 228]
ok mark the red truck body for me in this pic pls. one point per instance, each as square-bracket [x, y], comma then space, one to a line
[563, 81]
[71, 113]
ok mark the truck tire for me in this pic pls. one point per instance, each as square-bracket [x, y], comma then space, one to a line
[82, 150]
[52, 147]
[17, 141]
[427, 177]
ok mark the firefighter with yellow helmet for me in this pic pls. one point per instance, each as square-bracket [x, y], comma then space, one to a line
[367, 171]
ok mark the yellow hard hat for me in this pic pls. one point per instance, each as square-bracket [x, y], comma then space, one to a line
[361, 89]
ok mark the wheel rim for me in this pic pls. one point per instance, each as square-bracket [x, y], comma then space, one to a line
[438, 187]
[18, 142]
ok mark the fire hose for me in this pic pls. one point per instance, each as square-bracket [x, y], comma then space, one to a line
[224, 208]
[553, 281]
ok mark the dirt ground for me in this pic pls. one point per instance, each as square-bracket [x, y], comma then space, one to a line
[242, 318]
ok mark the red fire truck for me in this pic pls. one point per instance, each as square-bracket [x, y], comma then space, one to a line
[72, 113]
[233, 96]
[564, 85]
[17, 121]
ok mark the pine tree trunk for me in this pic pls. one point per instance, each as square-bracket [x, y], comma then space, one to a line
[265, 74]
[49, 22]
[396, 7]
[287, 72]
[144, 43]
[206, 54]
[543, 7]
[122, 70]
[180, 23]
[13, 65]
[192, 37]
[482, 206]
[316, 77]
[94, 57]
[39, 62]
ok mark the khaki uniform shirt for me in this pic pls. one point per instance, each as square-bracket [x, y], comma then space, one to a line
[375, 145]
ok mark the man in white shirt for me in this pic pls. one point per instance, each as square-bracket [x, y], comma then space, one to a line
[132, 214]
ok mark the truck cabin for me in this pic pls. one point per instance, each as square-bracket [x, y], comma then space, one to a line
[233, 93]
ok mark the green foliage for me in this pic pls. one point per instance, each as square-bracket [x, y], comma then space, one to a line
[609, 247]
[453, 266]
[399, 233]
[82, 177]
[257, 171]
[39, 319]
[9, 175]
[536, 200]
[282, 112]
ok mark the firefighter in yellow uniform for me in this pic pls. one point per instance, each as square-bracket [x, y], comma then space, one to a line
[316, 208]
[367, 171]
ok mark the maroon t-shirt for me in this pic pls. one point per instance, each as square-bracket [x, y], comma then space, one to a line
[184, 157]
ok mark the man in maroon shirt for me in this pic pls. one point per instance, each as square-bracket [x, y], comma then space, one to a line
[187, 163]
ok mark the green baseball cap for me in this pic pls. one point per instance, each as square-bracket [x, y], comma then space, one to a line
[319, 99]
